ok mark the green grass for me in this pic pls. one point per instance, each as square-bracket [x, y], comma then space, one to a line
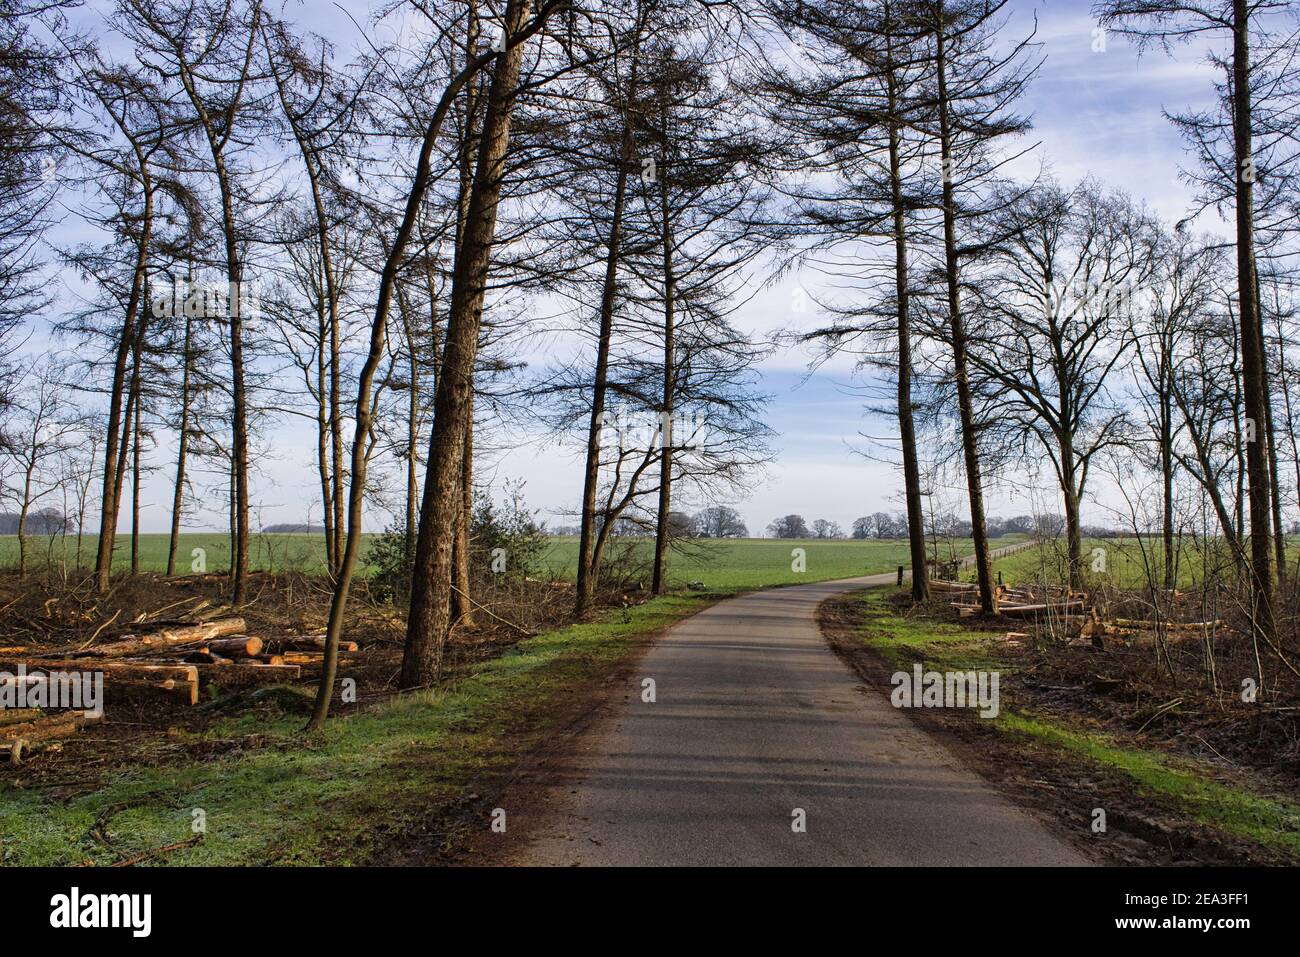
[1193, 789]
[741, 564]
[1266, 821]
[353, 791]
[1122, 563]
[267, 552]
[727, 565]
[905, 641]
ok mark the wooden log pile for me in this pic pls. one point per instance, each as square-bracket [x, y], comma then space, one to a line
[176, 660]
[1061, 611]
[25, 731]
[1012, 601]
[171, 661]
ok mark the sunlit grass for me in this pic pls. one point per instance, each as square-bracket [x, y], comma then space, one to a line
[342, 795]
[725, 565]
[1194, 789]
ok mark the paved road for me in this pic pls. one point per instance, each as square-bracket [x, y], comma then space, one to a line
[755, 716]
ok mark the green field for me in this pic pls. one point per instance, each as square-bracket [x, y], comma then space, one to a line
[1121, 563]
[267, 552]
[722, 565]
[738, 564]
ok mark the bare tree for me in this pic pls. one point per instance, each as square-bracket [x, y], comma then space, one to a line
[209, 48]
[36, 439]
[974, 87]
[425, 643]
[1050, 328]
[1166, 23]
[858, 112]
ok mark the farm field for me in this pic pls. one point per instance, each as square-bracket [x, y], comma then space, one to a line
[730, 564]
[739, 564]
[267, 552]
[1124, 562]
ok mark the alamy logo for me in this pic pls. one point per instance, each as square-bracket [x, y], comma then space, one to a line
[206, 300]
[74, 910]
[946, 689]
[80, 690]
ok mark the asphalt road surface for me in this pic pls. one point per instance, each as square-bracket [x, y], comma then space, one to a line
[754, 719]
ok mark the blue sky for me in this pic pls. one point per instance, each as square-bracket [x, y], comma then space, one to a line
[1095, 113]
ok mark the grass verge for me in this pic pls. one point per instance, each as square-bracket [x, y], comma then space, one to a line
[1271, 823]
[398, 781]
[1196, 791]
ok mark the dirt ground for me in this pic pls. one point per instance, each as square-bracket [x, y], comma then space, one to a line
[1112, 691]
[49, 618]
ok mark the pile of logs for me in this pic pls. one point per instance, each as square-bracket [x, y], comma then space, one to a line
[172, 660]
[1066, 614]
[25, 731]
[1011, 601]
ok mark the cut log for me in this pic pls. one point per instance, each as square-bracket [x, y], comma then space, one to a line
[271, 659]
[938, 584]
[312, 657]
[182, 691]
[140, 670]
[245, 646]
[206, 658]
[1064, 607]
[1169, 625]
[17, 715]
[168, 637]
[246, 673]
[124, 677]
[309, 644]
[50, 726]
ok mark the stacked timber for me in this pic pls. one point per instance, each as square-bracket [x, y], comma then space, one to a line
[173, 661]
[25, 731]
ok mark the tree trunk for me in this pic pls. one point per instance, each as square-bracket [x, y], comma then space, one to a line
[588, 558]
[1275, 489]
[1252, 344]
[412, 425]
[135, 485]
[1167, 476]
[178, 491]
[965, 404]
[333, 494]
[1070, 494]
[431, 586]
[665, 433]
[906, 425]
[461, 606]
[239, 399]
[22, 517]
[109, 496]
[587, 568]
[325, 465]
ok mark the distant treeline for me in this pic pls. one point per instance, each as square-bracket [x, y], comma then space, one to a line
[43, 522]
